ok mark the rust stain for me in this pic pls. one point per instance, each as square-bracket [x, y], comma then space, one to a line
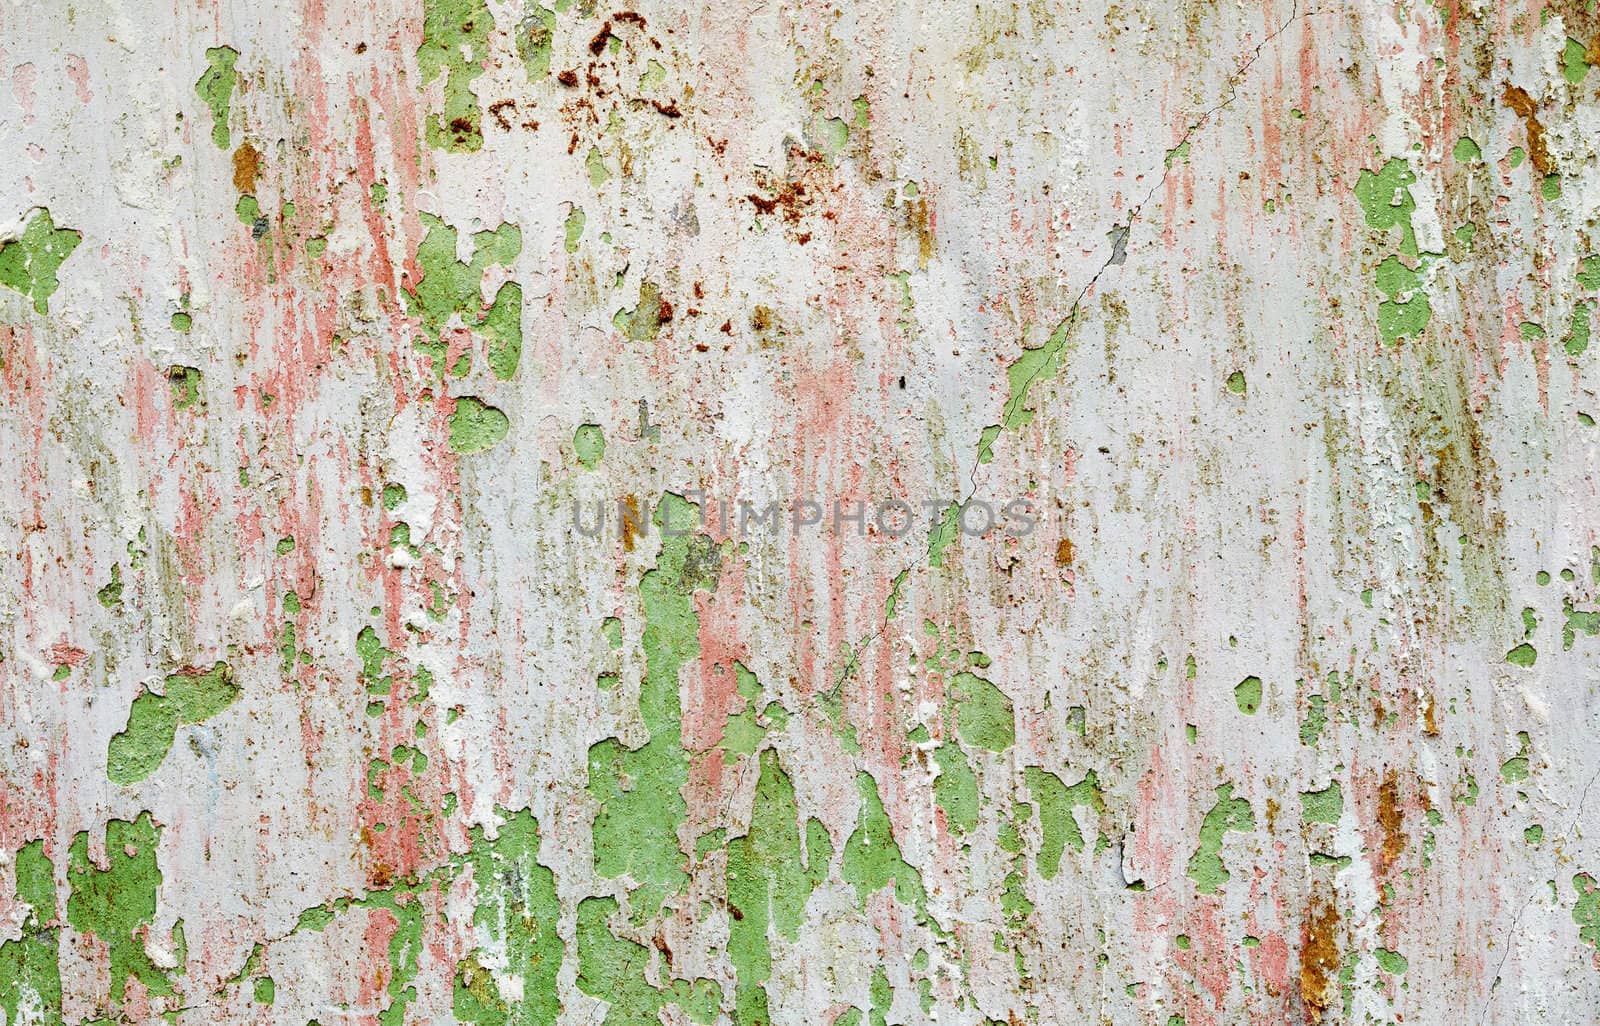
[246, 167]
[1319, 959]
[1064, 552]
[1391, 817]
[1518, 100]
[631, 522]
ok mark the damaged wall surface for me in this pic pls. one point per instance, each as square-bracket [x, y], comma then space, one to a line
[848, 513]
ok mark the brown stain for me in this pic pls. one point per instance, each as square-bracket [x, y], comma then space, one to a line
[790, 197]
[1319, 959]
[632, 524]
[1064, 552]
[1391, 817]
[1518, 100]
[921, 226]
[246, 167]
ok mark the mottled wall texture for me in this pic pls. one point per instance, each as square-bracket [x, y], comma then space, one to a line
[452, 567]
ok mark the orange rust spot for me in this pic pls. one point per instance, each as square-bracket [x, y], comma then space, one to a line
[246, 166]
[1430, 718]
[1518, 100]
[1391, 817]
[632, 524]
[1064, 552]
[1319, 959]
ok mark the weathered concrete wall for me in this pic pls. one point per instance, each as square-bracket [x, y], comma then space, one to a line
[1274, 698]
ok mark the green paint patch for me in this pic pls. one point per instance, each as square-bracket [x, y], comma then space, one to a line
[182, 322]
[28, 264]
[455, 43]
[829, 136]
[515, 925]
[1517, 768]
[1574, 61]
[1236, 383]
[248, 211]
[451, 291]
[1466, 151]
[589, 443]
[215, 86]
[30, 966]
[1533, 835]
[770, 876]
[986, 442]
[643, 322]
[1391, 962]
[1247, 695]
[185, 385]
[1316, 719]
[612, 968]
[872, 859]
[743, 733]
[535, 42]
[1586, 910]
[192, 696]
[1589, 272]
[639, 790]
[1058, 825]
[1577, 621]
[595, 163]
[1033, 366]
[1523, 655]
[1324, 806]
[573, 229]
[1577, 340]
[1228, 814]
[1406, 310]
[110, 596]
[117, 905]
[955, 789]
[944, 531]
[476, 426]
[984, 717]
[1385, 198]
[1178, 154]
